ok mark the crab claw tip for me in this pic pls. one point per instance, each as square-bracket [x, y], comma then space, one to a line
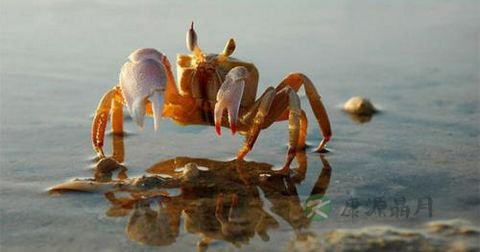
[218, 129]
[233, 127]
[138, 112]
[157, 101]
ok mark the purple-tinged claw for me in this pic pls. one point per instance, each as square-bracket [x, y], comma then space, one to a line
[144, 78]
[229, 97]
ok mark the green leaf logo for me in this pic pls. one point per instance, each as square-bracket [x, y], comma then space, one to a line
[317, 207]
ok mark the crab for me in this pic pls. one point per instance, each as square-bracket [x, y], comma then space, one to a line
[208, 84]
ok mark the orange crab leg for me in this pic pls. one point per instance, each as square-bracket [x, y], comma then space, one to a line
[272, 105]
[263, 109]
[303, 131]
[287, 100]
[117, 115]
[293, 126]
[295, 81]
[101, 118]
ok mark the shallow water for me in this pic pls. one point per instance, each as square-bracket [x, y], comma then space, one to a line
[417, 62]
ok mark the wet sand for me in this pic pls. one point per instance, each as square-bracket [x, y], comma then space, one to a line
[420, 70]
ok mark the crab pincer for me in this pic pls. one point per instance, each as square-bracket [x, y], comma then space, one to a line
[143, 79]
[229, 97]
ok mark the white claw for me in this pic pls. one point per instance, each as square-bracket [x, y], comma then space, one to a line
[157, 105]
[143, 77]
[229, 97]
[138, 111]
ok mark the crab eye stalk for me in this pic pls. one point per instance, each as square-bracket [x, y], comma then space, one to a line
[191, 38]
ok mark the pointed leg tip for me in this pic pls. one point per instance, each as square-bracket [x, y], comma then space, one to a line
[233, 127]
[321, 149]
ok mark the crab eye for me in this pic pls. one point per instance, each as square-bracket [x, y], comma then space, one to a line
[191, 38]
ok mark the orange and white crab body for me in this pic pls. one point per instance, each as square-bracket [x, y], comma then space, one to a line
[208, 85]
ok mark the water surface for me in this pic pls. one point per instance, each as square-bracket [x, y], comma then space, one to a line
[418, 62]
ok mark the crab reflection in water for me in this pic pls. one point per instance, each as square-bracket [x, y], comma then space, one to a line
[218, 200]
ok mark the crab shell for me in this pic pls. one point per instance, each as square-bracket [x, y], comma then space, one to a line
[202, 81]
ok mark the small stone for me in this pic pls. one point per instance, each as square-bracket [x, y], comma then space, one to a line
[107, 165]
[359, 106]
